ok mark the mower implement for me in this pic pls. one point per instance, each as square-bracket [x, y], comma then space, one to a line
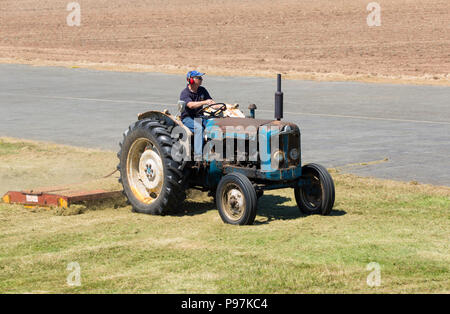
[63, 199]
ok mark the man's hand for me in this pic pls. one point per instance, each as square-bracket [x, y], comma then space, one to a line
[209, 102]
[217, 106]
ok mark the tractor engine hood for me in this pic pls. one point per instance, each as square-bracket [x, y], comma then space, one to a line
[223, 123]
[287, 152]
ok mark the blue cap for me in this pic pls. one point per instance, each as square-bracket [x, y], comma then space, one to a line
[194, 74]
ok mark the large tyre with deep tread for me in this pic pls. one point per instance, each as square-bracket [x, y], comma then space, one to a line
[236, 199]
[152, 181]
[318, 197]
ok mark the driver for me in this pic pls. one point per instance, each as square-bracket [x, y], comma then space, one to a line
[195, 97]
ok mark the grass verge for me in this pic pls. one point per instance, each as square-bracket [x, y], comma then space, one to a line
[403, 227]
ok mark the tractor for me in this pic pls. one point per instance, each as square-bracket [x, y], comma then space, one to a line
[156, 165]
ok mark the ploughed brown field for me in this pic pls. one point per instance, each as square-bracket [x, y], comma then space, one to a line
[310, 39]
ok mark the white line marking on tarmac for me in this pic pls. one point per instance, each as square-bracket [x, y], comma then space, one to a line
[89, 99]
[260, 110]
[360, 117]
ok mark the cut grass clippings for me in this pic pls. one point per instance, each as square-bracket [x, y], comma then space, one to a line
[403, 227]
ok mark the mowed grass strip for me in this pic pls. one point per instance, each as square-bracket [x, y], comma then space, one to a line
[401, 226]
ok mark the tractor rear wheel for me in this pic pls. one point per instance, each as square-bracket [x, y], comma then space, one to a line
[151, 179]
[318, 196]
[236, 199]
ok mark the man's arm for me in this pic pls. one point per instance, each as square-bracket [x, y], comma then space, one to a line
[199, 104]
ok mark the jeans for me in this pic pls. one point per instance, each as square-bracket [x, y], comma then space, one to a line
[196, 126]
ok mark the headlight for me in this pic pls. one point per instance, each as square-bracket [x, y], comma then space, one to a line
[294, 154]
[278, 155]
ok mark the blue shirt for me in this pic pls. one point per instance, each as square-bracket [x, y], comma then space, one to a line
[187, 96]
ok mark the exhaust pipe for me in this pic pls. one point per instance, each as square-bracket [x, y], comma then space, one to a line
[278, 100]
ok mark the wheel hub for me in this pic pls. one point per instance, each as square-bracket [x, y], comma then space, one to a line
[235, 200]
[150, 172]
[150, 169]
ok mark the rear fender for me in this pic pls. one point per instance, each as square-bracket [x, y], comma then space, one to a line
[171, 121]
[166, 116]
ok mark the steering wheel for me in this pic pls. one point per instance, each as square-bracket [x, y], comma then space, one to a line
[216, 112]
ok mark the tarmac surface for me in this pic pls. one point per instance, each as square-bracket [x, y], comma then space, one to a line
[399, 132]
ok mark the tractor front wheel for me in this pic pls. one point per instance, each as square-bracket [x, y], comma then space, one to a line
[236, 199]
[317, 197]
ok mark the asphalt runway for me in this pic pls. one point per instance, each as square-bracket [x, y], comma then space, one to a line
[344, 124]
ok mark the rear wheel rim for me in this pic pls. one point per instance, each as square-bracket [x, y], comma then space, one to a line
[233, 202]
[145, 170]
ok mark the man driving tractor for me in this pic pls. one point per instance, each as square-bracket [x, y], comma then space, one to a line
[155, 182]
[195, 96]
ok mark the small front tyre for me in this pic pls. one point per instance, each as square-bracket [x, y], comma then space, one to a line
[236, 199]
[317, 197]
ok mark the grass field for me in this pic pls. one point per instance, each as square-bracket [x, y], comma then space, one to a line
[404, 227]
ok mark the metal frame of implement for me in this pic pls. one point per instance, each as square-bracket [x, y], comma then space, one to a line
[33, 198]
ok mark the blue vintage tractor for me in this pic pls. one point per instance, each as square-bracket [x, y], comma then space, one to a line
[243, 157]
